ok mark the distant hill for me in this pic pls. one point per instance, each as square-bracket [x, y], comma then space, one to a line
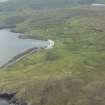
[40, 4]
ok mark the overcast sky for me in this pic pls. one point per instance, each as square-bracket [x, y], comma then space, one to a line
[2, 0]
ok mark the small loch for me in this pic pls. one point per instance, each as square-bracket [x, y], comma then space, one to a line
[11, 45]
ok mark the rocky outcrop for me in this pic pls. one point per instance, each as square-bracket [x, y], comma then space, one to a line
[11, 99]
[7, 96]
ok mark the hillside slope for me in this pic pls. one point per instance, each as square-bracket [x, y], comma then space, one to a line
[13, 5]
[73, 72]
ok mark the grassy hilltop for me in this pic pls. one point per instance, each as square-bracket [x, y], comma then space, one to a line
[73, 72]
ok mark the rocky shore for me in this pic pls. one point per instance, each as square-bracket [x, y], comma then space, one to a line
[11, 99]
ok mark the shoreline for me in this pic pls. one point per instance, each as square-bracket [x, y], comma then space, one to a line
[18, 57]
[25, 53]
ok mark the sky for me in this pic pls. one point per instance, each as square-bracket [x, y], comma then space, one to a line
[2, 0]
